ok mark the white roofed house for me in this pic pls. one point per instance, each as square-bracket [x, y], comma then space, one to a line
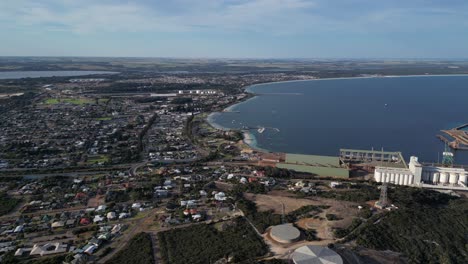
[220, 196]
[98, 219]
[111, 215]
[101, 208]
[49, 249]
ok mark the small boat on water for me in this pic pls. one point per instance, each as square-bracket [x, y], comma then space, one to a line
[260, 130]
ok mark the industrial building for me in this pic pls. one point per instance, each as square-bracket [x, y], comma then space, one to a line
[326, 166]
[420, 175]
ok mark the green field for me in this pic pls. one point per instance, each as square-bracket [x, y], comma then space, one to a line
[75, 101]
[98, 159]
[104, 118]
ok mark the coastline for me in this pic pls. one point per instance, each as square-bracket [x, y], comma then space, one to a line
[250, 139]
[358, 77]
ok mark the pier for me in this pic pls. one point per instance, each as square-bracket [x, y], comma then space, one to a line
[459, 136]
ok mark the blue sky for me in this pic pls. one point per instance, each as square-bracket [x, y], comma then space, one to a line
[236, 28]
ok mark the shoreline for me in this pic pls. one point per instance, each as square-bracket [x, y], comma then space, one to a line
[360, 77]
[250, 139]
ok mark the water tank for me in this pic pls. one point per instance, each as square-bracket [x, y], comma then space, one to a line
[444, 177]
[402, 179]
[378, 176]
[463, 178]
[315, 254]
[435, 177]
[453, 178]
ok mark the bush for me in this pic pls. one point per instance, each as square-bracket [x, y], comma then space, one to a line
[138, 250]
[200, 244]
[7, 203]
[332, 217]
[429, 227]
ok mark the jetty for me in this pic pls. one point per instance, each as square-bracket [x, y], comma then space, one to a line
[459, 136]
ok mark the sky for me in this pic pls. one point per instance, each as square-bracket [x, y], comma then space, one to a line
[235, 28]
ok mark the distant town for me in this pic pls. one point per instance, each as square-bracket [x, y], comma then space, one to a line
[126, 168]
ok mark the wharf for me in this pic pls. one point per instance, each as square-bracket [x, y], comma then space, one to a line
[459, 136]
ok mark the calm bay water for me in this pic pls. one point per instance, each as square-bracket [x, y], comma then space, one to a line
[38, 74]
[321, 116]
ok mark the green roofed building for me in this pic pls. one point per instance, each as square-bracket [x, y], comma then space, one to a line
[326, 166]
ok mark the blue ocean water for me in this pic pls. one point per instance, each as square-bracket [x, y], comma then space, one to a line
[321, 116]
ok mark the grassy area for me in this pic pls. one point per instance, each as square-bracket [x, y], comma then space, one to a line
[76, 101]
[200, 244]
[138, 250]
[7, 203]
[98, 159]
[105, 118]
[429, 227]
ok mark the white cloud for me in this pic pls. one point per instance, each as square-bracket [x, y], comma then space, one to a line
[265, 16]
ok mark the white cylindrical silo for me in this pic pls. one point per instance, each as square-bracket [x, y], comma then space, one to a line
[392, 177]
[453, 178]
[435, 177]
[444, 177]
[411, 179]
[463, 178]
[402, 179]
[397, 178]
[387, 177]
[378, 176]
[405, 182]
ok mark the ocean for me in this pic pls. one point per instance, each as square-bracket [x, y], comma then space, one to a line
[321, 116]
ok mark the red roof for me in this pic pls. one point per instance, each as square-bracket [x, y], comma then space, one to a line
[80, 196]
[85, 221]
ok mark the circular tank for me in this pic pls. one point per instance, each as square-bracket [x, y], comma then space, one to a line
[444, 177]
[435, 177]
[453, 178]
[378, 176]
[285, 233]
[316, 255]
